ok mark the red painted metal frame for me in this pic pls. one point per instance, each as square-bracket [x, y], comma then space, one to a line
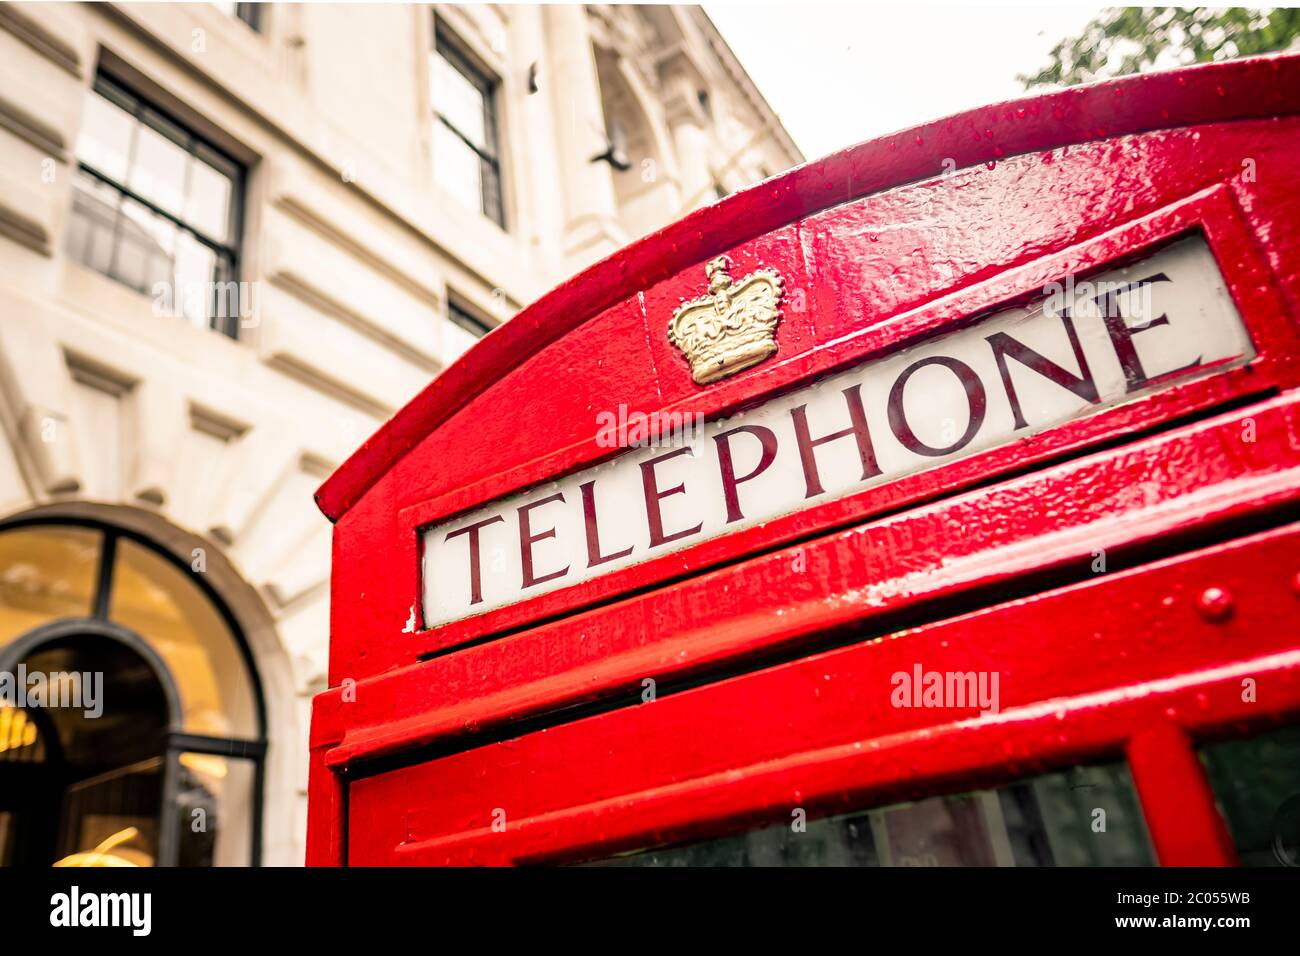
[609, 651]
[896, 565]
[820, 733]
[1096, 176]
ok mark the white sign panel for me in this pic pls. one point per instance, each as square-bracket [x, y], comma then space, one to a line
[1085, 346]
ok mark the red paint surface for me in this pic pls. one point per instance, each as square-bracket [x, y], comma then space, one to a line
[1185, 825]
[886, 251]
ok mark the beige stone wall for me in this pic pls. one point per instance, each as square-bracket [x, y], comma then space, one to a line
[352, 250]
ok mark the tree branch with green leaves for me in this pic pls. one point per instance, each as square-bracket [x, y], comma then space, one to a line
[1124, 40]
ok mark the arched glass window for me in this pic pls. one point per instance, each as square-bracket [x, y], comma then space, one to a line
[132, 728]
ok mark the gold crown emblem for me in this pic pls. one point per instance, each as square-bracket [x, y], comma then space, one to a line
[731, 328]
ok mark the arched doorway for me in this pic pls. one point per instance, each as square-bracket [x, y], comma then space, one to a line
[132, 727]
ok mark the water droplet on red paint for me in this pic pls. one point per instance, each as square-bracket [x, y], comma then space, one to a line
[999, 151]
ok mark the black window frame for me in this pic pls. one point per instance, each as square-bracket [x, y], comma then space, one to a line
[183, 135]
[250, 13]
[491, 199]
[467, 320]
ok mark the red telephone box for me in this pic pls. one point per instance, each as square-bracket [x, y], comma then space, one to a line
[935, 502]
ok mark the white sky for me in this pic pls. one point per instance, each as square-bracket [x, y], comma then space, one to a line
[840, 73]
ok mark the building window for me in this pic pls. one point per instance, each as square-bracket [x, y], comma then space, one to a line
[466, 162]
[250, 13]
[464, 330]
[170, 729]
[157, 208]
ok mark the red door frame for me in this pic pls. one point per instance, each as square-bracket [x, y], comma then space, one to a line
[1097, 175]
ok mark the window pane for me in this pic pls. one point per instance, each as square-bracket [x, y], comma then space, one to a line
[456, 167]
[461, 332]
[107, 742]
[458, 99]
[21, 740]
[248, 12]
[207, 209]
[145, 246]
[215, 802]
[89, 238]
[104, 141]
[111, 819]
[456, 341]
[1045, 821]
[492, 194]
[158, 170]
[158, 600]
[467, 321]
[45, 574]
[195, 267]
[230, 303]
[1257, 783]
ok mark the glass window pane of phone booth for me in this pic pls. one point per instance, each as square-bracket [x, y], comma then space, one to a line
[1257, 785]
[1083, 816]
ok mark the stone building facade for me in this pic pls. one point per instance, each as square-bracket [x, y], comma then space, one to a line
[234, 238]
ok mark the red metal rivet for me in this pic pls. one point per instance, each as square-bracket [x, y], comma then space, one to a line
[1215, 604]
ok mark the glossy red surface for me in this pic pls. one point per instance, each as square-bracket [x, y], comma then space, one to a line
[820, 733]
[982, 562]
